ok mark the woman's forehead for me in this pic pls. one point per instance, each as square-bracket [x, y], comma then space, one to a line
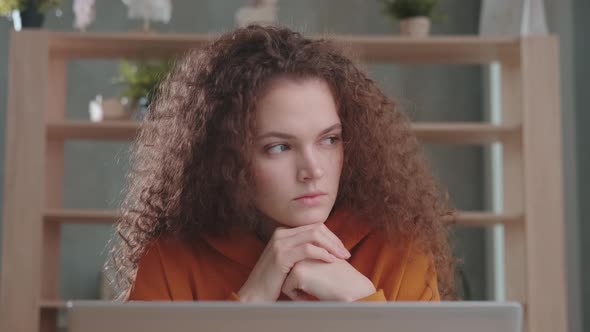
[290, 104]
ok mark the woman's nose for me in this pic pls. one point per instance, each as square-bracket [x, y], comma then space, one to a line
[309, 167]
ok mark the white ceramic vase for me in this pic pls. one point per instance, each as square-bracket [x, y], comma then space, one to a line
[418, 26]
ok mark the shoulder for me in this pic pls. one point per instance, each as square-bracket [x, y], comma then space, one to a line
[168, 256]
[163, 271]
[169, 248]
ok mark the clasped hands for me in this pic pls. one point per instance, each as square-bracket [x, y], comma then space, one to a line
[305, 262]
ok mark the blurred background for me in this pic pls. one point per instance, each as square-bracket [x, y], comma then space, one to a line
[94, 171]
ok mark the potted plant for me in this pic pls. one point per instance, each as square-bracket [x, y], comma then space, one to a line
[413, 15]
[140, 80]
[27, 13]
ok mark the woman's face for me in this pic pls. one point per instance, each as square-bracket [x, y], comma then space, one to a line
[298, 153]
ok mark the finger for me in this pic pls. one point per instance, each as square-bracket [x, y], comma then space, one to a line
[290, 288]
[283, 232]
[318, 237]
[288, 258]
[333, 236]
[337, 244]
[288, 232]
[310, 251]
[299, 295]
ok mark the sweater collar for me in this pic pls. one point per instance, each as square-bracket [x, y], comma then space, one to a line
[244, 247]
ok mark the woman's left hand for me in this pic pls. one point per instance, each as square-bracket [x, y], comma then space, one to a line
[338, 281]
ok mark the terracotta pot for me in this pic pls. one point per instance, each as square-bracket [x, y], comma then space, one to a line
[418, 26]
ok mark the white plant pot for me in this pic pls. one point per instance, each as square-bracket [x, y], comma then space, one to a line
[418, 26]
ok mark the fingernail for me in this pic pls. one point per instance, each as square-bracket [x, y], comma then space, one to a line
[345, 253]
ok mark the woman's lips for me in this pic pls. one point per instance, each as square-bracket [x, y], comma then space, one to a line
[311, 199]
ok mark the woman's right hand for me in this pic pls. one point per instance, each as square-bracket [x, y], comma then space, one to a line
[286, 247]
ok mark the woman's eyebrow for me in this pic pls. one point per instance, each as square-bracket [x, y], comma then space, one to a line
[289, 136]
[329, 129]
[275, 134]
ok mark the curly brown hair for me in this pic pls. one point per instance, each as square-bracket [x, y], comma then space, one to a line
[191, 166]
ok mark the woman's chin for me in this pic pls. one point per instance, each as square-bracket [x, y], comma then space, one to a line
[305, 218]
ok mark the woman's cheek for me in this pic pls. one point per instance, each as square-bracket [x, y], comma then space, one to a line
[268, 175]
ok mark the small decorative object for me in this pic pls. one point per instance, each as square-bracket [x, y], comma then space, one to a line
[95, 109]
[512, 17]
[111, 109]
[413, 15]
[257, 11]
[85, 13]
[141, 79]
[27, 13]
[155, 10]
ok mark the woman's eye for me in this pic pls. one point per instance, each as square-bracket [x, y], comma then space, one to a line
[278, 148]
[331, 140]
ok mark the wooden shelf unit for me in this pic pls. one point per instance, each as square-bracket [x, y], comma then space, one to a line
[89, 216]
[456, 133]
[375, 49]
[533, 215]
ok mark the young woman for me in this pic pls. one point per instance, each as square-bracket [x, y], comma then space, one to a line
[270, 167]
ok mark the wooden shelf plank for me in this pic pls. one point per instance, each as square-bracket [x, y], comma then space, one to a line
[463, 132]
[52, 304]
[370, 48]
[62, 304]
[108, 130]
[431, 50]
[486, 219]
[449, 133]
[123, 45]
[66, 216]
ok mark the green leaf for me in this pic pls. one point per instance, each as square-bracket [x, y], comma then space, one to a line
[401, 9]
[7, 6]
[140, 78]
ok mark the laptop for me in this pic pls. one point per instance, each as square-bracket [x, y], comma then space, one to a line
[100, 316]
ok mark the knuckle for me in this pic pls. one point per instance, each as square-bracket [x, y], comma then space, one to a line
[316, 233]
[308, 249]
[276, 246]
[275, 236]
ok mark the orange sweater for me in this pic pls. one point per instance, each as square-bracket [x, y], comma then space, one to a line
[215, 268]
